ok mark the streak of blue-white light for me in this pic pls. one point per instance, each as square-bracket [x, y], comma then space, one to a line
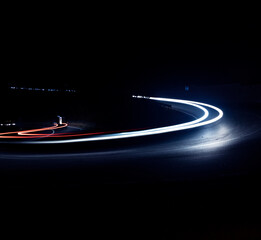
[188, 125]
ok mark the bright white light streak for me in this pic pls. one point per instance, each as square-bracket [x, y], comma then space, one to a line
[192, 124]
[220, 112]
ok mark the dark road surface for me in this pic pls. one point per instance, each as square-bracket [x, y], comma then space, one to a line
[211, 171]
[85, 66]
[230, 146]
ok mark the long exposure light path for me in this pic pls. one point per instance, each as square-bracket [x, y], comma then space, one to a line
[29, 134]
[192, 124]
[85, 137]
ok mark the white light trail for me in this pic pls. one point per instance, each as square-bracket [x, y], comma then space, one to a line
[192, 124]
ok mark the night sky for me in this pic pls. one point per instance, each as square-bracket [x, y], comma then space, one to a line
[131, 55]
[112, 58]
[107, 57]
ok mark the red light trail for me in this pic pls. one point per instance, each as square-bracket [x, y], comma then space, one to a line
[28, 133]
[31, 133]
[202, 121]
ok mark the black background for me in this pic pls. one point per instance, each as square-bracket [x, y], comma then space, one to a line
[116, 53]
[107, 55]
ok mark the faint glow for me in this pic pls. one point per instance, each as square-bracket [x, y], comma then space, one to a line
[134, 96]
[210, 145]
[7, 124]
[60, 120]
[42, 89]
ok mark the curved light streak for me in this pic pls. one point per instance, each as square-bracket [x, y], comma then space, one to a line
[220, 112]
[119, 134]
[192, 124]
[28, 133]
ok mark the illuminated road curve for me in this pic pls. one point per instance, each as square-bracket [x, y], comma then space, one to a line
[138, 133]
[32, 134]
